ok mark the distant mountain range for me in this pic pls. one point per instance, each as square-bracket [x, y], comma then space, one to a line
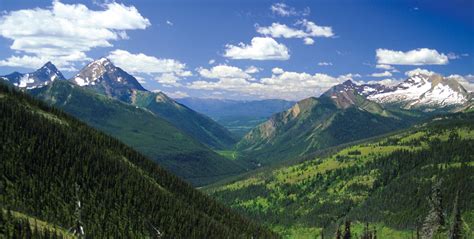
[111, 100]
[39, 78]
[386, 182]
[420, 92]
[237, 116]
[348, 112]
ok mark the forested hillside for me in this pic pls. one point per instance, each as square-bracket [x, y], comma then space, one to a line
[401, 185]
[339, 116]
[141, 129]
[67, 175]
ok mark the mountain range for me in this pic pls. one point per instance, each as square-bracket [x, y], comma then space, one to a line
[236, 115]
[385, 184]
[166, 131]
[348, 112]
[426, 92]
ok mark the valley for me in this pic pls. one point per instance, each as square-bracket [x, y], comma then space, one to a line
[275, 119]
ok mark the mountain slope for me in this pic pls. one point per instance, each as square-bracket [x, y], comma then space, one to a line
[423, 92]
[197, 125]
[239, 117]
[338, 116]
[51, 163]
[385, 182]
[39, 78]
[140, 129]
[105, 78]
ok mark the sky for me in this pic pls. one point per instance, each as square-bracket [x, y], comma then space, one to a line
[243, 49]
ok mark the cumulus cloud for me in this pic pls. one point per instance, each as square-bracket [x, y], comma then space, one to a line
[224, 72]
[382, 74]
[422, 56]
[385, 67]
[177, 94]
[65, 32]
[314, 30]
[281, 9]
[419, 71]
[212, 61]
[386, 82]
[168, 80]
[169, 23]
[309, 29]
[141, 63]
[466, 81]
[252, 70]
[308, 41]
[260, 48]
[281, 84]
[167, 72]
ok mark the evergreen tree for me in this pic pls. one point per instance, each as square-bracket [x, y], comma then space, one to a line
[456, 227]
[347, 230]
[338, 232]
[434, 221]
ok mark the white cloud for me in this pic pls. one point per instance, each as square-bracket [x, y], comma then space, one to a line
[212, 61]
[168, 22]
[384, 67]
[382, 74]
[177, 94]
[422, 56]
[386, 82]
[277, 71]
[466, 81]
[316, 31]
[168, 80]
[224, 72]
[310, 29]
[284, 10]
[260, 48]
[65, 32]
[141, 63]
[323, 63]
[278, 30]
[419, 71]
[308, 41]
[252, 70]
[282, 84]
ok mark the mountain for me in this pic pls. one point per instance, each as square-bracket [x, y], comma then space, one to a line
[386, 182]
[338, 116]
[197, 125]
[140, 129]
[422, 92]
[59, 173]
[239, 117]
[41, 77]
[105, 78]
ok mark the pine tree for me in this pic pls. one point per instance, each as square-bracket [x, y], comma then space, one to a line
[456, 227]
[434, 221]
[338, 233]
[347, 230]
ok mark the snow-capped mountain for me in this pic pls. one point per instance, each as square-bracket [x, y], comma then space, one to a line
[103, 76]
[427, 92]
[420, 91]
[41, 77]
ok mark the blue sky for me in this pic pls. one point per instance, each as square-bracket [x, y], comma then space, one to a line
[243, 49]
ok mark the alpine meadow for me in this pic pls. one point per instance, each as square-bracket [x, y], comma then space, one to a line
[209, 119]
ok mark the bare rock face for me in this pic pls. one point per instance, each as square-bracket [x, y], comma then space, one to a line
[103, 76]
